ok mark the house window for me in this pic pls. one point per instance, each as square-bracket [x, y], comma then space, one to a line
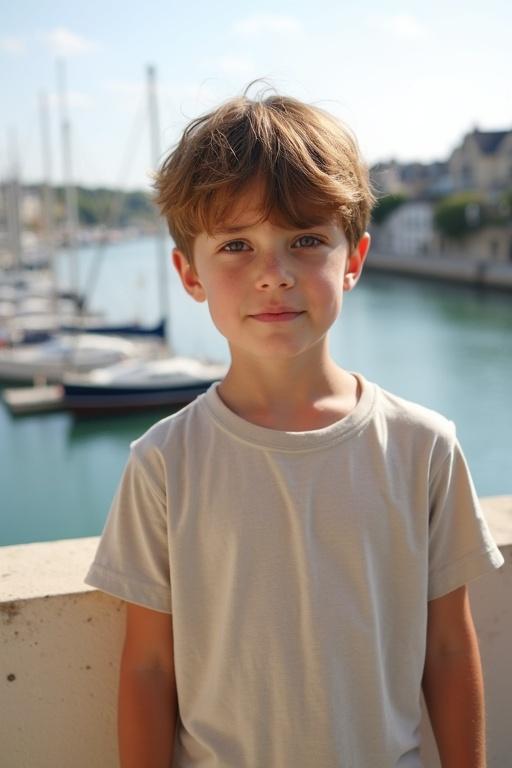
[467, 175]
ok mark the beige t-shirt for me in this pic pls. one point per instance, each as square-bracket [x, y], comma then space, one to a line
[297, 566]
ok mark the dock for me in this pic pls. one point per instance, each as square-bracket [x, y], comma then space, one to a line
[42, 399]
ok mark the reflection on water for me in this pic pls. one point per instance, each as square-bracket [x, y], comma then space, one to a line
[120, 429]
[447, 347]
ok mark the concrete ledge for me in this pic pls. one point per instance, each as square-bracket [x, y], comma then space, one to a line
[61, 641]
[60, 647]
[45, 568]
[498, 513]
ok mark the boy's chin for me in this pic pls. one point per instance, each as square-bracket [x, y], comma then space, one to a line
[278, 353]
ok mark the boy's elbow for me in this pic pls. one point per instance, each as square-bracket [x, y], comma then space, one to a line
[145, 672]
[148, 643]
[146, 678]
[147, 708]
[146, 684]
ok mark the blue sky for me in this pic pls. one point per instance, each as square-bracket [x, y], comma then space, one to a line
[410, 78]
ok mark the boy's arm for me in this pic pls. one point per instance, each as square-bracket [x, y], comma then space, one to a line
[147, 704]
[453, 684]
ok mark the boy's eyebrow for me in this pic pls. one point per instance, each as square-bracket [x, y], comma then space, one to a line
[228, 230]
[225, 230]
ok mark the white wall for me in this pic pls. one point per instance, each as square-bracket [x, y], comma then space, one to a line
[60, 646]
[409, 230]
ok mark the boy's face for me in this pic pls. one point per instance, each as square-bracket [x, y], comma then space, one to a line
[272, 292]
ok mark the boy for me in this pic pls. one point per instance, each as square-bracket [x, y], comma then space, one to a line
[294, 545]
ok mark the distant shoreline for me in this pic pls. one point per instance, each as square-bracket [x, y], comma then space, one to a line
[464, 271]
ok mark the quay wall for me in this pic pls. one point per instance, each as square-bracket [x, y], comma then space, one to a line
[61, 643]
[471, 272]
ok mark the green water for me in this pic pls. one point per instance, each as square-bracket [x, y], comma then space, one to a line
[447, 347]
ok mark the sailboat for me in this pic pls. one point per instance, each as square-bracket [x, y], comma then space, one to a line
[31, 305]
[65, 353]
[31, 311]
[141, 384]
[32, 308]
[37, 303]
[151, 383]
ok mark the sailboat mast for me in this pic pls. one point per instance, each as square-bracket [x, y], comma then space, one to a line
[47, 196]
[69, 188]
[13, 196]
[162, 255]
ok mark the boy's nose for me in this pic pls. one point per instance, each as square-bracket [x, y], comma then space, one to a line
[274, 272]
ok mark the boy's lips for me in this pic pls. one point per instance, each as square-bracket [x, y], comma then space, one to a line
[276, 314]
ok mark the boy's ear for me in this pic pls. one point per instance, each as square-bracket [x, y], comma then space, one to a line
[188, 275]
[355, 262]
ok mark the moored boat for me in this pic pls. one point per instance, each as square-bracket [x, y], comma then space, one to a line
[137, 384]
[36, 328]
[69, 353]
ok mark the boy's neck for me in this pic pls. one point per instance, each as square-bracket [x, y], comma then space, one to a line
[292, 395]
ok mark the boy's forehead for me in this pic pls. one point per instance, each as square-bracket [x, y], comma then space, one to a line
[245, 209]
[250, 208]
[245, 212]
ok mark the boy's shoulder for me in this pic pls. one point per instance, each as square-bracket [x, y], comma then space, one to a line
[409, 411]
[168, 429]
[413, 418]
[409, 432]
[166, 443]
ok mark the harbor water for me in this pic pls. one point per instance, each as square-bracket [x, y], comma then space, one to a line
[447, 347]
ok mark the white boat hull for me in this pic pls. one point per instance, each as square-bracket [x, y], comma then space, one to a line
[69, 353]
[138, 385]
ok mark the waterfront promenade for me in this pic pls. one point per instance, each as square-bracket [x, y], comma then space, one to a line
[455, 270]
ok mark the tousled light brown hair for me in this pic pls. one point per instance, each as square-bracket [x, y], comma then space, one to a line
[308, 162]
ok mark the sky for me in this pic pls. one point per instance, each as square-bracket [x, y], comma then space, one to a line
[410, 78]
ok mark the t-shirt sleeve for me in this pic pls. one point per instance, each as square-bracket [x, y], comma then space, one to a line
[132, 560]
[461, 547]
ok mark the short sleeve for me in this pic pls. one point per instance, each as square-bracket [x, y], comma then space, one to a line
[461, 547]
[132, 560]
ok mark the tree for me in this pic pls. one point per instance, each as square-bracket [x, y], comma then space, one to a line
[107, 207]
[459, 215]
[385, 206]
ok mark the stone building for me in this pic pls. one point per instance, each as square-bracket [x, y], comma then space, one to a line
[482, 162]
[414, 180]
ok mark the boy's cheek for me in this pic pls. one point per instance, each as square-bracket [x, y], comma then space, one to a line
[220, 321]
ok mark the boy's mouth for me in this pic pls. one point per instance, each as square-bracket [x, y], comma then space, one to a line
[277, 315]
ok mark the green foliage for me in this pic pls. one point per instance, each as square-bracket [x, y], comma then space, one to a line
[137, 206]
[385, 206]
[94, 206]
[108, 207]
[504, 211]
[459, 215]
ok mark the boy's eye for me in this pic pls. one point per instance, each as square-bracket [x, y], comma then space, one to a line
[235, 245]
[307, 241]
